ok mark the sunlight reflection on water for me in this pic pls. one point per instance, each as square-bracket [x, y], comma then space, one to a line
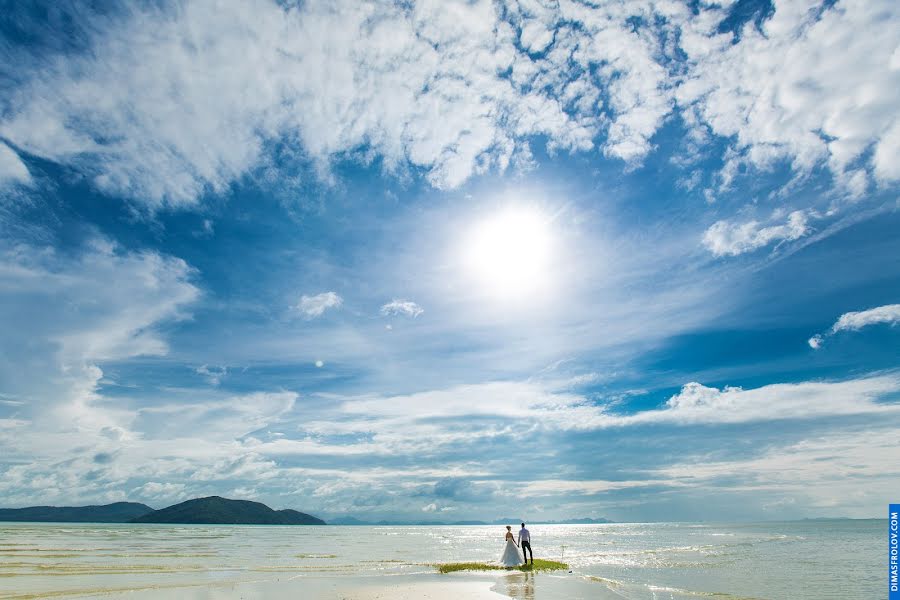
[774, 560]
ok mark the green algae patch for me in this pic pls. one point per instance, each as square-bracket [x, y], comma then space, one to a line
[539, 565]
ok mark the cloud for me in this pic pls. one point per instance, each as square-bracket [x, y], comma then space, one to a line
[811, 85]
[73, 328]
[697, 403]
[315, 306]
[726, 238]
[844, 472]
[854, 321]
[222, 418]
[212, 374]
[156, 109]
[406, 308]
[154, 490]
[440, 420]
[12, 169]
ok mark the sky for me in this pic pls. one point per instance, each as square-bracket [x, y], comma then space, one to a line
[451, 260]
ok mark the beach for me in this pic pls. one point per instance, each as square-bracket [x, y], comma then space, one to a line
[638, 561]
[435, 587]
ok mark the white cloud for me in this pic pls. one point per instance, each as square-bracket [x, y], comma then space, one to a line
[315, 306]
[406, 308]
[848, 472]
[157, 109]
[77, 327]
[726, 238]
[854, 321]
[154, 490]
[700, 404]
[557, 487]
[815, 85]
[72, 328]
[212, 374]
[430, 507]
[222, 419]
[430, 420]
[12, 169]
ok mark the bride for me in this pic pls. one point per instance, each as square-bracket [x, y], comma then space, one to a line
[510, 556]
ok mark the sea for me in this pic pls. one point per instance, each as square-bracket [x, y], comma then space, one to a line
[841, 559]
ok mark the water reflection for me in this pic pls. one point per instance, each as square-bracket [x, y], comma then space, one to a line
[520, 586]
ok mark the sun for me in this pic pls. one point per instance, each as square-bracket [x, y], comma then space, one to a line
[508, 253]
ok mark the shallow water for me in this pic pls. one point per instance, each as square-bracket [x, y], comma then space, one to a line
[801, 560]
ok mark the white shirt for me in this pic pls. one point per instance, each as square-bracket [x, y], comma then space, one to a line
[524, 536]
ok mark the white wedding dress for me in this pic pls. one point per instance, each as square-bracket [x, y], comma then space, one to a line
[511, 556]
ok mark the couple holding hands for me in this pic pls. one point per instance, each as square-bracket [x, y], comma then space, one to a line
[511, 556]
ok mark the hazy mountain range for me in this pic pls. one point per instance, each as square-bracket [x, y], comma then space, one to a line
[211, 510]
[118, 512]
[579, 521]
[218, 510]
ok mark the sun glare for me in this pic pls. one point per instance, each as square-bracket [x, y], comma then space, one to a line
[509, 252]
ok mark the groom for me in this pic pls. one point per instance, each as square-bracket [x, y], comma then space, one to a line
[525, 543]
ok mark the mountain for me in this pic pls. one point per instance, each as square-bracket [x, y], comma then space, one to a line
[347, 521]
[581, 521]
[218, 510]
[355, 521]
[117, 512]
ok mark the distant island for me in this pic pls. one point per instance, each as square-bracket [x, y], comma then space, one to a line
[355, 521]
[212, 510]
[215, 510]
[118, 512]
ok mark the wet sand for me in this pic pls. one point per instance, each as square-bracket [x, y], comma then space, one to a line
[453, 586]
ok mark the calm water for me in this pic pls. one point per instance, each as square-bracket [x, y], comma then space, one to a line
[798, 560]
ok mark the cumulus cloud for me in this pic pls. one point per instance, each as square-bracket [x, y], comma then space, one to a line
[157, 109]
[854, 321]
[727, 238]
[315, 306]
[406, 308]
[697, 403]
[811, 85]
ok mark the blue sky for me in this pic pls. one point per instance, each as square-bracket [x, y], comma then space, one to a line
[453, 260]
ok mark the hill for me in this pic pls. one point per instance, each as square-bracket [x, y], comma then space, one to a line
[354, 521]
[215, 510]
[573, 521]
[117, 512]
